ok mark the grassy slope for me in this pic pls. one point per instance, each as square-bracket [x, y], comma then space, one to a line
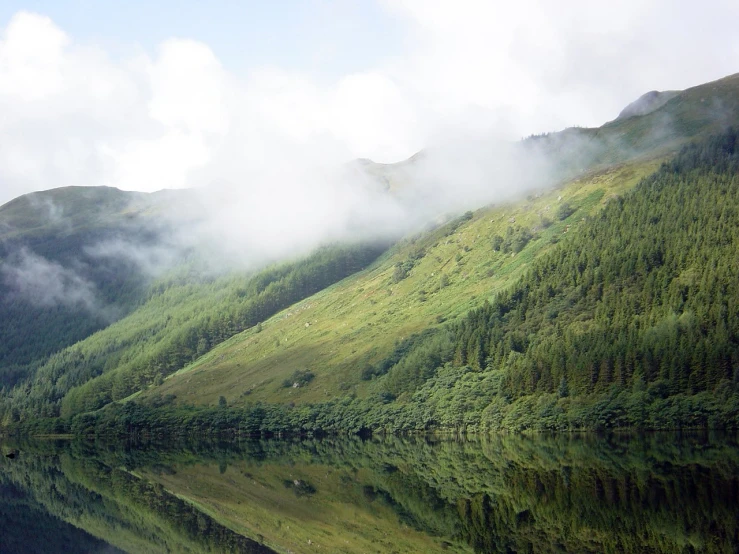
[251, 498]
[340, 330]
[336, 332]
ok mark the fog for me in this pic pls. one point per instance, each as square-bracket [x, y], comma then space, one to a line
[268, 162]
[46, 283]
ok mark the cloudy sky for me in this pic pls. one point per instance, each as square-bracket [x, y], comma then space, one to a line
[149, 95]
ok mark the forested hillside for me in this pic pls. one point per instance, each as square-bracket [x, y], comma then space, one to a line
[586, 303]
[182, 319]
[650, 290]
[629, 322]
[640, 307]
[57, 286]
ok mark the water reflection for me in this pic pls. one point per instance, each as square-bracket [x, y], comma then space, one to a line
[652, 493]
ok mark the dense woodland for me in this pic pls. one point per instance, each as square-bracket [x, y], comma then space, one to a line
[182, 318]
[631, 321]
[649, 290]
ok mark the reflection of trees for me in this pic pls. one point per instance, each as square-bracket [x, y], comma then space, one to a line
[654, 493]
[129, 512]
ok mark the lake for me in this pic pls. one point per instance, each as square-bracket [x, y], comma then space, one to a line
[671, 493]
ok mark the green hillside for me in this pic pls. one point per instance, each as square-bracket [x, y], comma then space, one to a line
[54, 291]
[630, 320]
[580, 291]
[421, 283]
[182, 318]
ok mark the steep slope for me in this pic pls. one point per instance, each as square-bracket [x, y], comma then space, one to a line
[628, 321]
[338, 343]
[351, 338]
[339, 333]
[57, 285]
[182, 318]
[632, 321]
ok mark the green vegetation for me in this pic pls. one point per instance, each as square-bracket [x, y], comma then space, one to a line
[660, 493]
[355, 326]
[180, 321]
[564, 211]
[631, 322]
[299, 379]
[588, 305]
[515, 240]
[48, 234]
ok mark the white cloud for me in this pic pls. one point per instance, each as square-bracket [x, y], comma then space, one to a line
[72, 114]
[45, 283]
[551, 64]
[32, 58]
[188, 88]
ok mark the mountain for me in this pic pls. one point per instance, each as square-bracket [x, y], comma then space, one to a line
[592, 288]
[58, 284]
[647, 103]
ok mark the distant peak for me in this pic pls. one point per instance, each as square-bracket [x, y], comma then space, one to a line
[646, 103]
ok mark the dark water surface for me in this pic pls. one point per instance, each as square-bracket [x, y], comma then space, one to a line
[650, 493]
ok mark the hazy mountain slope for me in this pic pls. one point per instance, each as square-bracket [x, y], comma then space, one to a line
[182, 318]
[57, 285]
[632, 321]
[338, 332]
[341, 332]
[340, 342]
[678, 117]
[629, 321]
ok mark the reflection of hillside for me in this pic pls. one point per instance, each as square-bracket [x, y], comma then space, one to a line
[132, 514]
[25, 527]
[654, 493]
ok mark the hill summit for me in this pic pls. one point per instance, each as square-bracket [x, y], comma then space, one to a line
[647, 103]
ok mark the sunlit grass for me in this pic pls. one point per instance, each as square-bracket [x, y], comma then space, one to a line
[340, 330]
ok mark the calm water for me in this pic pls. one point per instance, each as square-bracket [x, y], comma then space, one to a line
[653, 493]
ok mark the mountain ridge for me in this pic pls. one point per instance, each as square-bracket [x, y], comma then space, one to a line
[339, 341]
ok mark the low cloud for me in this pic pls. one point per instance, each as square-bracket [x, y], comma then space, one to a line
[267, 153]
[151, 259]
[175, 116]
[45, 283]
